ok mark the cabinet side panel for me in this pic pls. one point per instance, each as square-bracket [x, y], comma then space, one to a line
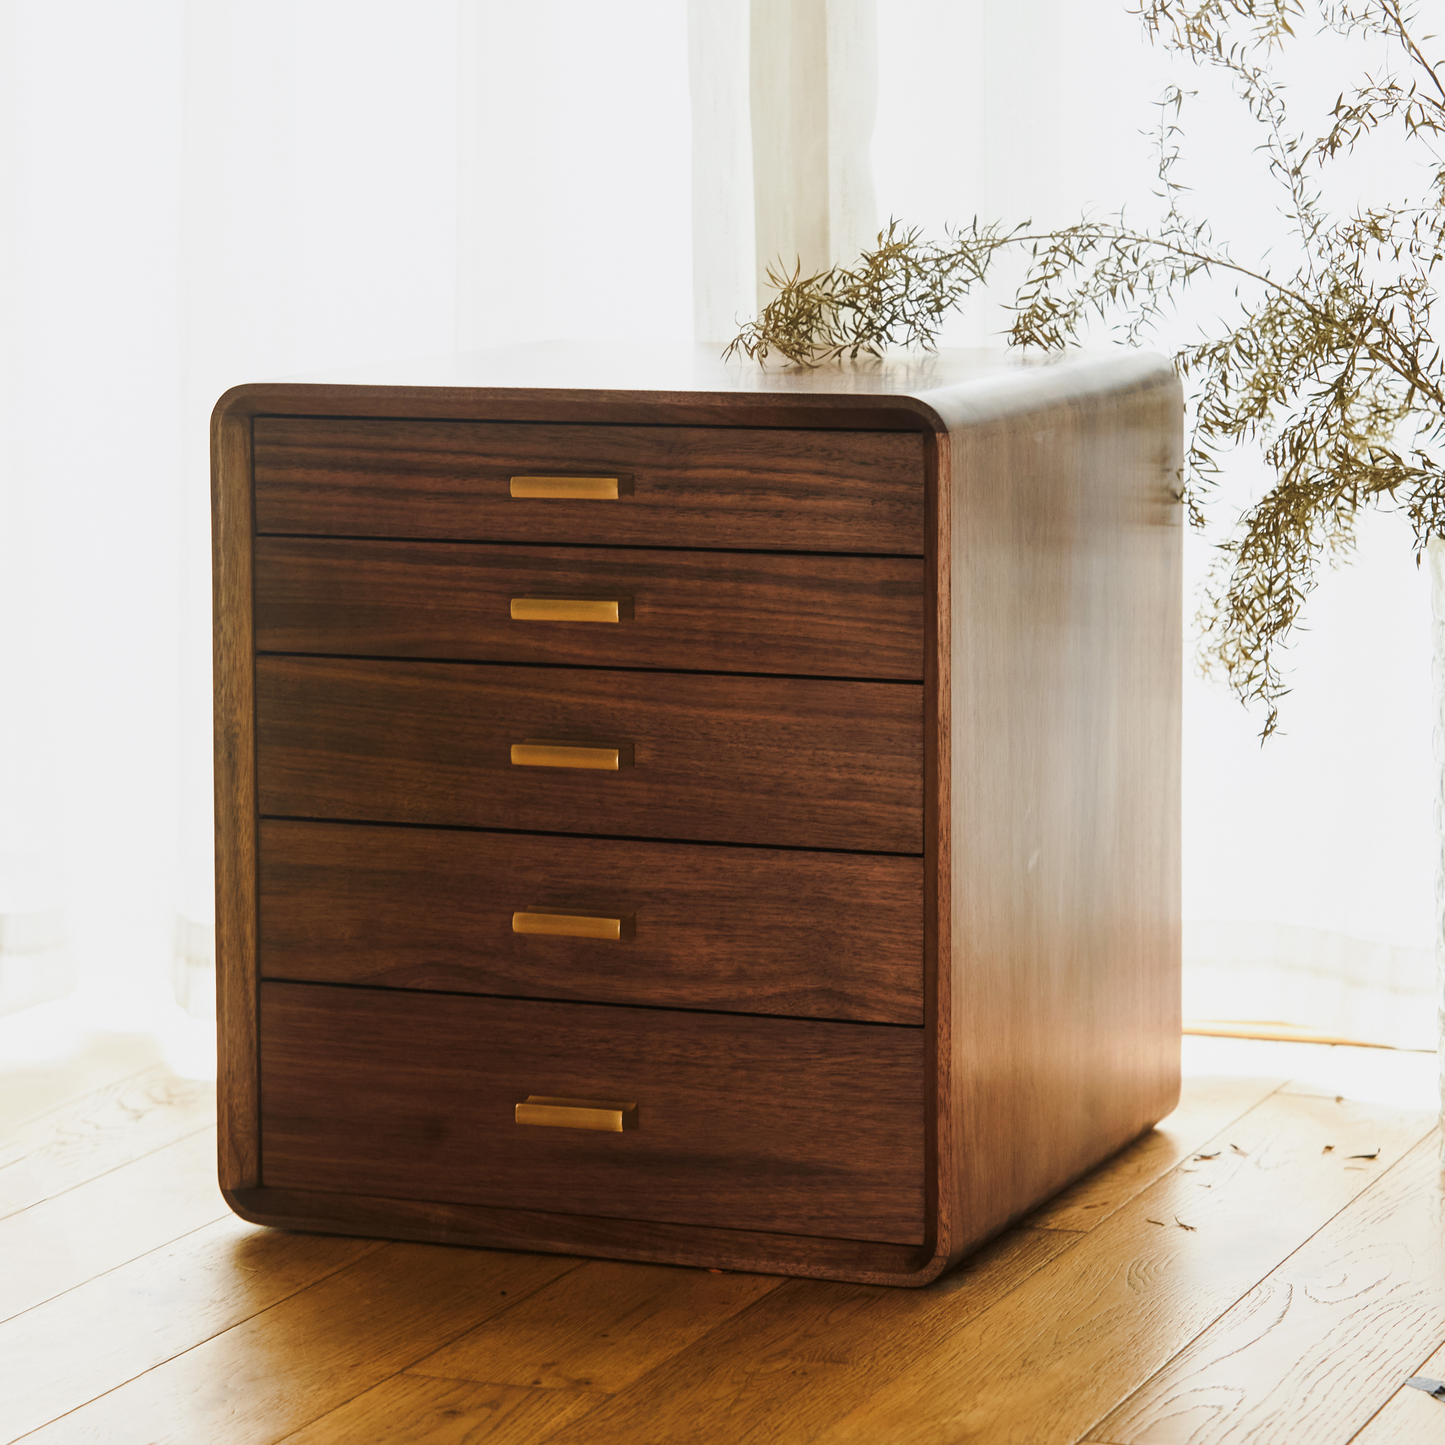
[1064, 815]
[235, 796]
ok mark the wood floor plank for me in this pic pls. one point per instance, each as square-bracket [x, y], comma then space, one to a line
[113, 1328]
[98, 1133]
[97, 1226]
[1313, 1351]
[1410, 1416]
[416, 1410]
[31, 1089]
[1308, 1287]
[598, 1328]
[1051, 1359]
[806, 1352]
[1206, 1105]
[285, 1368]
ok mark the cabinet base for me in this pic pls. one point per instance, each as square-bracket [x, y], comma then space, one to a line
[850, 1260]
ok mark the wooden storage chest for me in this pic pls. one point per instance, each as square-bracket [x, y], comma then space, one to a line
[677, 811]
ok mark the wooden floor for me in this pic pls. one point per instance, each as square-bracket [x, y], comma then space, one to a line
[1268, 1266]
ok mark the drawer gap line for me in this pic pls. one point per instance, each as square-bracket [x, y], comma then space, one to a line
[586, 1002]
[585, 546]
[615, 837]
[596, 667]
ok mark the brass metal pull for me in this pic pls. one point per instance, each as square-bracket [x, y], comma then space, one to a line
[571, 609]
[603, 1114]
[573, 925]
[576, 489]
[537, 754]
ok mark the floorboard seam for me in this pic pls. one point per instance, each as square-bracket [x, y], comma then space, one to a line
[1396, 1393]
[380, 1245]
[1184, 1159]
[377, 1384]
[101, 1274]
[81, 1183]
[115, 1086]
[1246, 1292]
[195, 1344]
[679, 1359]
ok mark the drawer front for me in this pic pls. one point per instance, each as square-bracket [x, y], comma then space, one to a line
[774, 489]
[773, 1124]
[744, 930]
[705, 612]
[782, 761]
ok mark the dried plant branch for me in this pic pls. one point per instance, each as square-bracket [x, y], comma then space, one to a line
[1329, 368]
[902, 288]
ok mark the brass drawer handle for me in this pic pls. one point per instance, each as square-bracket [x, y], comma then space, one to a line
[571, 609]
[573, 925]
[537, 754]
[576, 489]
[612, 1118]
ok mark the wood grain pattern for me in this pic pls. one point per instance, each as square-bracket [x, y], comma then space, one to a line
[1052, 1358]
[1317, 1347]
[821, 935]
[236, 1336]
[699, 611]
[638, 1240]
[1059, 1018]
[282, 1369]
[773, 1124]
[98, 1132]
[412, 1408]
[807, 1352]
[600, 1327]
[59, 1244]
[1048, 730]
[30, 1088]
[1410, 1416]
[232, 665]
[717, 759]
[128, 1320]
[805, 491]
[1206, 1106]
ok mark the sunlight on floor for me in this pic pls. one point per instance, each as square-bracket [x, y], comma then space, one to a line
[61, 1050]
[1394, 1077]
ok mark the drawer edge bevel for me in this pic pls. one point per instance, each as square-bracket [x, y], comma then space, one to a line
[686, 1245]
[235, 797]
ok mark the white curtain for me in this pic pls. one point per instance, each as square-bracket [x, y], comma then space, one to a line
[1309, 861]
[196, 193]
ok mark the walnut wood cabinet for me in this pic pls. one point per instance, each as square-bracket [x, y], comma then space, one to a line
[678, 811]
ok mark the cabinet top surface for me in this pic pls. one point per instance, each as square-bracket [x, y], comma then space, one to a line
[919, 382]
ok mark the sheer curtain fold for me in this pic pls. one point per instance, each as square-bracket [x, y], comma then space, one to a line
[204, 192]
[1309, 860]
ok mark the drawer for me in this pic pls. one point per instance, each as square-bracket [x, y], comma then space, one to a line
[791, 762]
[783, 1125]
[745, 930]
[705, 611]
[773, 490]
